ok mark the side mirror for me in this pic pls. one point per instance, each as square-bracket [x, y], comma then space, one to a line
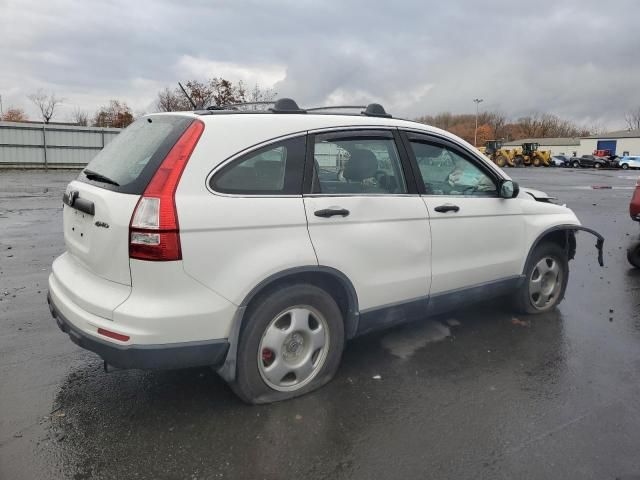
[509, 189]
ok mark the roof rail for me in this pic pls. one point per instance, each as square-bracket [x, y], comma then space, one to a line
[335, 107]
[233, 106]
[287, 105]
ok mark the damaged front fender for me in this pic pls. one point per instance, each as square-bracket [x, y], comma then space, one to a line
[570, 240]
[599, 241]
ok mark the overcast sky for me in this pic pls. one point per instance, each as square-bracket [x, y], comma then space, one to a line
[579, 59]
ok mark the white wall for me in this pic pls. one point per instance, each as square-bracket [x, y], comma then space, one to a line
[560, 149]
[631, 145]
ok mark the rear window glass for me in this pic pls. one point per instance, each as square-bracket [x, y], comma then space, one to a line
[135, 154]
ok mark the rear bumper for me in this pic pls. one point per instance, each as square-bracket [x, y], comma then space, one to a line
[165, 356]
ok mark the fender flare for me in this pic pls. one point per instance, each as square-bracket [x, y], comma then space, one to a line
[569, 229]
[228, 369]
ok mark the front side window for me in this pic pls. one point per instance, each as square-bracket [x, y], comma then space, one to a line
[445, 172]
[357, 166]
[272, 170]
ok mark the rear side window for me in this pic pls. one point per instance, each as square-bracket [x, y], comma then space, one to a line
[131, 159]
[272, 170]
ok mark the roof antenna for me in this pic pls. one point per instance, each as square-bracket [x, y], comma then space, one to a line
[188, 97]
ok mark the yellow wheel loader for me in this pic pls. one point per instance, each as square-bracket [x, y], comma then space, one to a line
[503, 157]
[532, 156]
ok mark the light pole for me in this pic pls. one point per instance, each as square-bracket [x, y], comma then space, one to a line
[477, 101]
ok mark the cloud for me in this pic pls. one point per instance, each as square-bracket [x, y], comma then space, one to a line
[264, 75]
[574, 58]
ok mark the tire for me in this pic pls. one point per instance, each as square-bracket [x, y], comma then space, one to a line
[625, 166]
[539, 275]
[518, 161]
[575, 164]
[537, 161]
[633, 253]
[501, 161]
[596, 165]
[271, 338]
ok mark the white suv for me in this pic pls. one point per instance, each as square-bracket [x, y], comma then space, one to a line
[258, 243]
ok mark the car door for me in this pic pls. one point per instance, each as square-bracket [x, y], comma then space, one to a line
[477, 237]
[367, 221]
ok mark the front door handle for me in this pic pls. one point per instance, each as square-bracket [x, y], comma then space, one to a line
[330, 212]
[447, 207]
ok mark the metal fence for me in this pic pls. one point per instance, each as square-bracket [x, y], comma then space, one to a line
[32, 145]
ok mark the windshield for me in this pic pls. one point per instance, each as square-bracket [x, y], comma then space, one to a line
[127, 163]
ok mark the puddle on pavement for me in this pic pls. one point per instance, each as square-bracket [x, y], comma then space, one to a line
[405, 341]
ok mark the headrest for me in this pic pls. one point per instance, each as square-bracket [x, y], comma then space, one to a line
[362, 164]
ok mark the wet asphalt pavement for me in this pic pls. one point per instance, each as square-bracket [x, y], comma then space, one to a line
[475, 394]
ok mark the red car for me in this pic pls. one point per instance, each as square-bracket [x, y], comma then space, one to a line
[633, 252]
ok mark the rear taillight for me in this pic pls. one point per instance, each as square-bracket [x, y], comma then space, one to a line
[154, 231]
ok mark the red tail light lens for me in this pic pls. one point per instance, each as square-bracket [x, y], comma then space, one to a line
[154, 232]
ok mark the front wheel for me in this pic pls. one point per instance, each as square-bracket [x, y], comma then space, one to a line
[633, 253]
[625, 166]
[546, 277]
[290, 345]
[575, 164]
[596, 166]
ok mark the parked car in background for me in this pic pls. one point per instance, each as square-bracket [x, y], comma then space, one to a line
[628, 162]
[633, 252]
[590, 161]
[560, 161]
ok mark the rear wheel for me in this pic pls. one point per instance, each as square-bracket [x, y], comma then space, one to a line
[546, 277]
[596, 165]
[291, 344]
[501, 161]
[633, 253]
[624, 166]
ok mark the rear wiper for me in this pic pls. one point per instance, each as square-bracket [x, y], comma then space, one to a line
[91, 175]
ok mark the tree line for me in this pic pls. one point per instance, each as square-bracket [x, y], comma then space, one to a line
[496, 126]
[218, 91]
[117, 114]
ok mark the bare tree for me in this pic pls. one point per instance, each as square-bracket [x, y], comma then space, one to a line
[215, 91]
[259, 94]
[633, 119]
[497, 121]
[46, 103]
[172, 101]
[80, 117]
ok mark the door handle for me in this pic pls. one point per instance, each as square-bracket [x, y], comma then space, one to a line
[447, 207]
[330, 212]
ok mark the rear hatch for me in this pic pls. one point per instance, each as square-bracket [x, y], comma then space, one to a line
[100, 202]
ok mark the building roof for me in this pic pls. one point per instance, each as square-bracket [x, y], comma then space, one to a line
[555, 141]
[618, 134]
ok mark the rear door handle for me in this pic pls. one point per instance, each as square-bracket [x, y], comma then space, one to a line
[447, 207]
[330, 212]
